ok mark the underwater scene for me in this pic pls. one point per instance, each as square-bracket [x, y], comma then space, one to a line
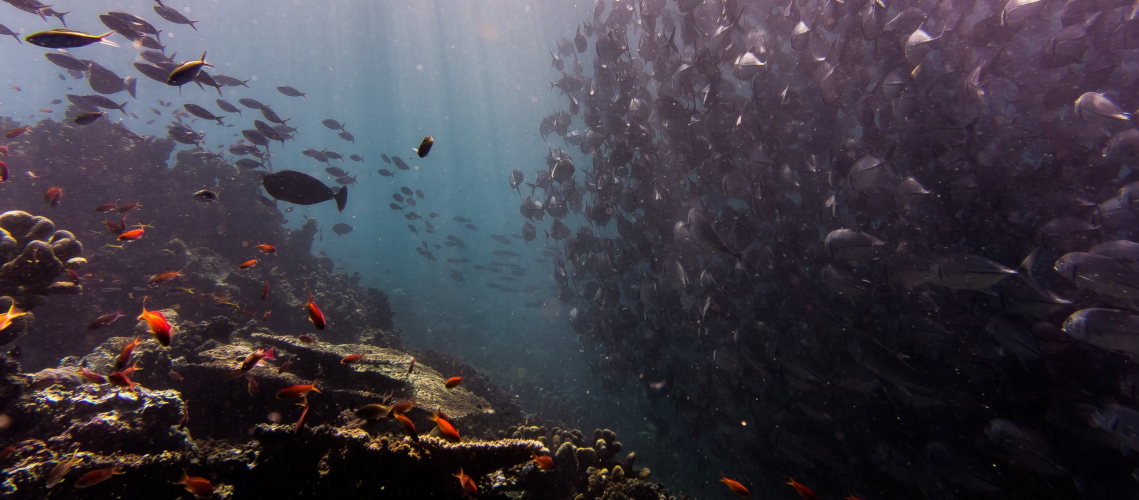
[547, 249]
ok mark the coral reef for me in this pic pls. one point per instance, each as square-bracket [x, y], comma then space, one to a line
[105, 162]
[186, 415]
[34, 254]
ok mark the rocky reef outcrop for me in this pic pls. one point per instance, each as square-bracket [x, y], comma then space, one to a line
[186, 415]
[33, 257]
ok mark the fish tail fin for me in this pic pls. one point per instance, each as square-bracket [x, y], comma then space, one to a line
[314, 386]
[121, 106]
[192, 25]
[341, 198]
[269, 354]
[185, 477]
[103, 39]
[203, 59]
[59, 15]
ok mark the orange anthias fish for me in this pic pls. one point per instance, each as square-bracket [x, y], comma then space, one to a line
[408, 426]
[158, 324]
[132, 235]
[735, 486]
[53, 195]
[4, 173]
[351, 358]
[6, 318]
[301, 421]
[122, 379]
[804, 491]
[469, 486]
[106, 207]
[445, 428]
[402, 407]
[266, 248]
[4, 150]
[314, 313]
[128, 207]
[92, 377]
[198, 486]
[453, 381]
[545, 462]
[16, 132]
[265, 291]
[296, 391]
[97, 476]
[850, 496]
[125, 356]
[253, 387]
[163, 277]
[248, 264]
[253, 359]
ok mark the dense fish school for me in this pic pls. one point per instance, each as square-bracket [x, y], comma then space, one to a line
[881, 243]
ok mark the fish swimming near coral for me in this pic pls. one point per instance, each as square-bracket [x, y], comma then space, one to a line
[6, 318]
[470, 489]
[296, 391]
[157, 323]
[314, 314]
[200, 487]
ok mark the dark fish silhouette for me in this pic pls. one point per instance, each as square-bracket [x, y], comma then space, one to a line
[87, 118]
[302, 189]
[425, 147]
[291, 92]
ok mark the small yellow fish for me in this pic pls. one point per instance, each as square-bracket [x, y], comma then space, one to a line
[56, 475]
[62, 38]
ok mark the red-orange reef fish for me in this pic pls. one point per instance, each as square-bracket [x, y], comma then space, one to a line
[314, 313]
[735, 486]
[296, 391]
[157, 323]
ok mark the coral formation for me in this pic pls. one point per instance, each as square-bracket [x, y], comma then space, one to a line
[185, 415]
[107, 163]
[34, 255]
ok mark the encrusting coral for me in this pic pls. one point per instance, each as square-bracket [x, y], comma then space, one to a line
[34, 255]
